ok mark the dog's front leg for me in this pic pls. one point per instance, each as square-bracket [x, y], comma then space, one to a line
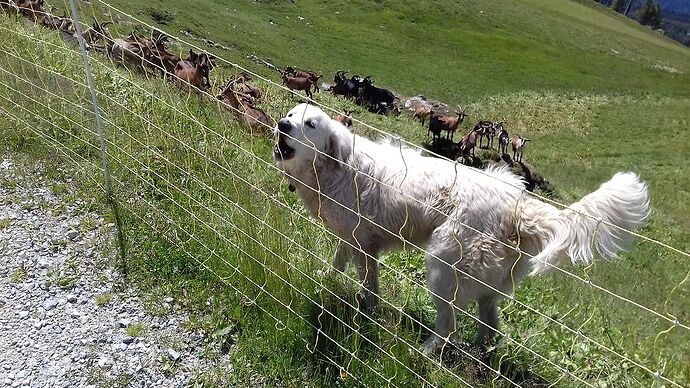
[341, 256]
[368, 270]
[488, 317]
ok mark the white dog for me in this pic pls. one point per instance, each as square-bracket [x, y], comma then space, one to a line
[375, 196]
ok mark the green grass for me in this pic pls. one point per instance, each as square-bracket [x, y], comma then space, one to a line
[205, 211]
[136, 330]
[103, 299]
[19, 275]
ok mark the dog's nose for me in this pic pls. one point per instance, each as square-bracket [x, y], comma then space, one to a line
[284, 126]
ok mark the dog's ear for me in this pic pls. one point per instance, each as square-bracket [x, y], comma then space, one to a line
[338, 148]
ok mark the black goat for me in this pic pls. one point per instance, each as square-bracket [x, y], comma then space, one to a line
[379, 99]
[349, 88]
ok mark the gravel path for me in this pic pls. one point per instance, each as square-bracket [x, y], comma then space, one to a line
[62, 324]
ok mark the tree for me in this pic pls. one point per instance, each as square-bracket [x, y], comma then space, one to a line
[619, 5]
[651, 14]
[657, 19]
[647, 13]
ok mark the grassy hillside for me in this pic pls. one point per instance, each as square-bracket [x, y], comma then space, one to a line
[203, 203]
[452, 51]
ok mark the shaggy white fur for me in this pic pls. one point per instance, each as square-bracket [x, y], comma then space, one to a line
[431, 203]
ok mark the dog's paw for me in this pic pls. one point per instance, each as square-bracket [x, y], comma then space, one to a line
[327, 272]
[432, 346]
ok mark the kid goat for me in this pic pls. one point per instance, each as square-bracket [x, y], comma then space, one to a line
[519, 145]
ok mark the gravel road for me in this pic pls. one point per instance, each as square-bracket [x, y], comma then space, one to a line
[63, 321]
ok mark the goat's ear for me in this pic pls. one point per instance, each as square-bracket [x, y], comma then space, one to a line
[337, 148]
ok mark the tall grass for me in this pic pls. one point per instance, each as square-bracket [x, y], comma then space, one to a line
[208, 218]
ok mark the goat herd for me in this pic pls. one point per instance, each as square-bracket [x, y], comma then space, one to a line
[151, 54]
[439, 123]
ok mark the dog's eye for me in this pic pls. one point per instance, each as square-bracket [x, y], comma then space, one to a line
[310, 124]
[290, 115]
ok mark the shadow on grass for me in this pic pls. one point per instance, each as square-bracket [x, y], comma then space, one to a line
[340, 334]
[343, 339]
[482, 364]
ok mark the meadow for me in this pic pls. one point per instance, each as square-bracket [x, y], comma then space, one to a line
[208, 218]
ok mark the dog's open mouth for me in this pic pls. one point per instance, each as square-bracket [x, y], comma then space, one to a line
[282, 151]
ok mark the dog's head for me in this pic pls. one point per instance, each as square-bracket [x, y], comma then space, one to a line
[307, 134]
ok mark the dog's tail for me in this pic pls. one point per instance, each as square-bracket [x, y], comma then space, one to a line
[622, 201]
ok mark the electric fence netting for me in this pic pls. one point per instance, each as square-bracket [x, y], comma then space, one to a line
[201, 193]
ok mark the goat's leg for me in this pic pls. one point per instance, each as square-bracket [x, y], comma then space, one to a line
[488, 317]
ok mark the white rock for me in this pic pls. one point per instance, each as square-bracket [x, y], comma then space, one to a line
[173, 355]
[105, 362]
[123, 323]
[50, 304]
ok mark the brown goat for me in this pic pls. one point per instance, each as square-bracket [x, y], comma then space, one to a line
[439, 123]
[96, 33]
[127, 52]
[33, 9]
[422, 112]
[9, 6]
[313, 76]
[519, 144]
[193, 73]
[161, 59]
[344, 118]
[242, 85]
[467, 145]
[293, 83]
[253, 117]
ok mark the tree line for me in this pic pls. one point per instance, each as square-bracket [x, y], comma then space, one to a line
[649, 14]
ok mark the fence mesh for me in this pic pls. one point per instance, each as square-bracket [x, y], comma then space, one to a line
[195, 183]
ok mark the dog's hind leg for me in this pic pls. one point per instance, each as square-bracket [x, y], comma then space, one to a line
[488, 315]
[443, 284]
[368, 270]
[341, 256]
